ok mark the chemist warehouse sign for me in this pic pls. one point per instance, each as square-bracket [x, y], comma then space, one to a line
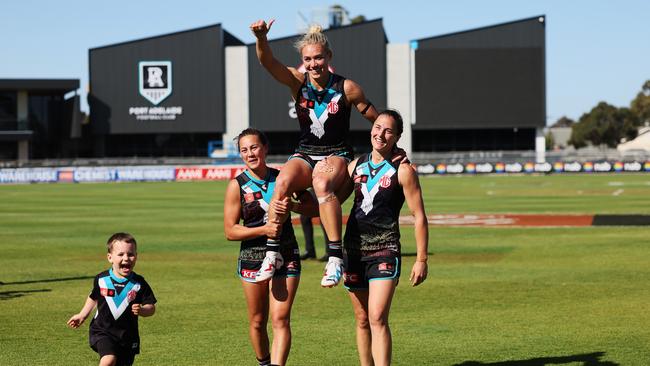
[155, 85]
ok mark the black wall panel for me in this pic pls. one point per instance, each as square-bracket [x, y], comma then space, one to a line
[197, 83]
[491, 77]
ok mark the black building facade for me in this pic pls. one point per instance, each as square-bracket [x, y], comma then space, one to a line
[37, 120]
[481, 89]
[159, 96]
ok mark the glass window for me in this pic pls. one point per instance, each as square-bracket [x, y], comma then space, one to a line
[8, 106]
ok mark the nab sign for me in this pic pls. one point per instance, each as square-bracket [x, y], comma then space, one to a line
[155, 80]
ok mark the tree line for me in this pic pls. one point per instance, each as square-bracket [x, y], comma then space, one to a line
[606, 124]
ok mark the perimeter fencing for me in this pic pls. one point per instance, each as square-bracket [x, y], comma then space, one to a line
[223, 168]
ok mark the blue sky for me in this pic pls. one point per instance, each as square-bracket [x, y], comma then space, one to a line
[597, 50]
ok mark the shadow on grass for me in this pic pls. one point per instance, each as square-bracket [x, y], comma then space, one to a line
[8, 295]
[47, 280]
[589, 359]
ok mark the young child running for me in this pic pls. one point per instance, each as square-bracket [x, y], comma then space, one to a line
[120, 296]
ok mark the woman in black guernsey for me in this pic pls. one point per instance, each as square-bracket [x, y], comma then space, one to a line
[372, 248]
[248, 199]
[323, 104]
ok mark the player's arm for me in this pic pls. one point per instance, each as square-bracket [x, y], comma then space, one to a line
[232, 214]
[76, 320]
[409, 181]
[285, 75]
[143, 309]
[357, 98]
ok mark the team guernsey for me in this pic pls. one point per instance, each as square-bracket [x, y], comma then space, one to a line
[373, 225]
[324, 117]
[255, 196]
[114, 319]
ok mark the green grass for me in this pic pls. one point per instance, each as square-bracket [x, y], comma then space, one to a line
[493, 294]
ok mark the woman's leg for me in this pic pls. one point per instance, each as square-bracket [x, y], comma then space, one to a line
[257, 303]
[283, 292]
[360, 305]
[329, 174]
[295, 176]
[380, 296]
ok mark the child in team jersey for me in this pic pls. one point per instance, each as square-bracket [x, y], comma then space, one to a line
[120, 296]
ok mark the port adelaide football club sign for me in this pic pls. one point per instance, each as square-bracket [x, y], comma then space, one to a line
[155, 85]
[155, 80]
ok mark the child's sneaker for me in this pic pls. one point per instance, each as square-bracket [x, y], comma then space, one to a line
[333, 272]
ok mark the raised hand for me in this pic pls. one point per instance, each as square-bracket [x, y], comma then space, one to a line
[260, 28]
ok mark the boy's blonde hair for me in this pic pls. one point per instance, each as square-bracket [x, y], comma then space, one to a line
[125, 237]
[314, 35]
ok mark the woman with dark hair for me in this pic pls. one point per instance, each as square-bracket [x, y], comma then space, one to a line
[248, 198]
[372, 249]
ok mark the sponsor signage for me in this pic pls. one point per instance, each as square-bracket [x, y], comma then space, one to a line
[226, 172]
[602, 167]
[514, 168]
[208, 173]
[543, 167]
[28, 175]
[632, 167]
[455, 168]
[530, 167]
[572, 167]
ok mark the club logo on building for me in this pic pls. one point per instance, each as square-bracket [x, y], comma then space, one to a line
[155, 80]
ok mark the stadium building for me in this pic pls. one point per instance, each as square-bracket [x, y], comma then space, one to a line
[159, 96]
[174, 95]
[39, 118]
[481, 89]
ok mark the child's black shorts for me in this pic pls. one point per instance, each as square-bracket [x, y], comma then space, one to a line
[106, 346]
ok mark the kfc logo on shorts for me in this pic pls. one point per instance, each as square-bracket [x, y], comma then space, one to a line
[247, 273]
[384, 182]
[332, 107]
[385, 267]
[292, 265]
[351, 277]
[249, 197]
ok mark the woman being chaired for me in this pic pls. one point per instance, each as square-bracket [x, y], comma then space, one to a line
[323, 104]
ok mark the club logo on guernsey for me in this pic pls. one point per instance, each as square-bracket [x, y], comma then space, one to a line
[322, 108]
[384, 182]
[332, 108]
[381, 177]
[118, 303]
[260, 191]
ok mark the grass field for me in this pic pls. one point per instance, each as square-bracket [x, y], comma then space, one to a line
[494, 296]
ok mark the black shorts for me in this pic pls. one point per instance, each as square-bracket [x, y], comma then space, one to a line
[107, 346]
[290, 268]
[359, 271]
[313, 159]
